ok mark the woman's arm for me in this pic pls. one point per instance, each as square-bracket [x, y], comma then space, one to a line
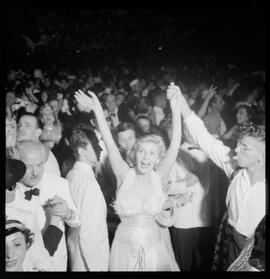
[119, 166]
[167, 162]
[202, 111]
[232, 90]
[229, 134]
[213, 148]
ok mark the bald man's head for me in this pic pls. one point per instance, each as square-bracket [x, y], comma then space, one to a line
[32, 153]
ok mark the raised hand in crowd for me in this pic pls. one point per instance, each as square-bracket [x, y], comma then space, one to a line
[210, 93]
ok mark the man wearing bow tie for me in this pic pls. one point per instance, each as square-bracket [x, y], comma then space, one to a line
[45, 194]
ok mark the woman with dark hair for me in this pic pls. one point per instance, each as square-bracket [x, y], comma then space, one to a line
[18, 241]
[244, 117]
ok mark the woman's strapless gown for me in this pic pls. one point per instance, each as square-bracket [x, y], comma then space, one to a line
[140, 244]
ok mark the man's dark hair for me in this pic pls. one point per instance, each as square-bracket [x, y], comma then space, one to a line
[124, 126]
[81, 136]
[154, 94]
[249, 109]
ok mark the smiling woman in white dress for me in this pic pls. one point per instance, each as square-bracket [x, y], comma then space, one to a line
[139, 243]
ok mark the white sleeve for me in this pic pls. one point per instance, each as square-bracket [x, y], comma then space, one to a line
[65, 193]
[93, 231]
[212, 147]
[52, 166]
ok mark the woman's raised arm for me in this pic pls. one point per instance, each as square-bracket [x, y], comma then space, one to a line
[119, 166]
[167, 162]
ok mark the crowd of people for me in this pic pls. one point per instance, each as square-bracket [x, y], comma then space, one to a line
[131, 168]
[131, 159]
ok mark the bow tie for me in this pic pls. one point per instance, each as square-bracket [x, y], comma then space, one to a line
[113, 114]
[28, 194]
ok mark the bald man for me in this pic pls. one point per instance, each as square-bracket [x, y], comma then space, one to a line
[43, 193]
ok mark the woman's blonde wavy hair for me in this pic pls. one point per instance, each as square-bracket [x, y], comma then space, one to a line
[131, 156]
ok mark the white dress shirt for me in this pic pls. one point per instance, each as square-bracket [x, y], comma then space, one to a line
[52, 166]
[199, 162]
[88, 245]
[37, 257]
[193, 214]
[49, 186]
[245, 202]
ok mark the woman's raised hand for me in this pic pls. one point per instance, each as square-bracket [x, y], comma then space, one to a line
[91, 102]
[173, 94]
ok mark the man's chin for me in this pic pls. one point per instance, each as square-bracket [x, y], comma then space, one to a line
[32, 183]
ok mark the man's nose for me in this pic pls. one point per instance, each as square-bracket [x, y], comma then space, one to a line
[35, 171]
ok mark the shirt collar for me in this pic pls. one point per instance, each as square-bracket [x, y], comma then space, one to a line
[24, 188]
[244, 174]
[84, 166]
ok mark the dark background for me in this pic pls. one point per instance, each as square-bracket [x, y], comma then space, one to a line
[77, 36]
